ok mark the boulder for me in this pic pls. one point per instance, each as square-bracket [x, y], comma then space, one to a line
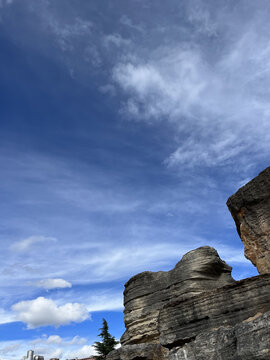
[250, 208]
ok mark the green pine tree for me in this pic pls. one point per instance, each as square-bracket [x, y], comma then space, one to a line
[107, 344]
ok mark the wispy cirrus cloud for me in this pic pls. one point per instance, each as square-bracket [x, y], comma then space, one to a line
[9, 349]
[133, 200]
[26, 244]
[210, 97]
[178, 73]
[203, 100]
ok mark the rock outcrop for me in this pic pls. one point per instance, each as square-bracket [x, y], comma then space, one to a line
[250, 208]
[197, 311]
[140, 351]
[146, 293]
[248, 340]
[181, 321]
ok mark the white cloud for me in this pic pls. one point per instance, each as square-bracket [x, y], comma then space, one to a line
[211, 101]
[6, 316]
[166, 85]
[221, 151]
[84, 352]
[49, 347]
[105, 302]
[201, 19]
[54, 339]
[28, 243]
[65, 34]
[115, 39]
[9, 348]
[57, 353]
[77, 340]
[125, 20]
[49, 284]
[215, 119]
[43, 312]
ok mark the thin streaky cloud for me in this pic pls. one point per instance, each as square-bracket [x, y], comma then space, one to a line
[26, 244]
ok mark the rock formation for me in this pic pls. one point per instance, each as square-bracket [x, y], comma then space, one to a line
[250, 208]
[146, 293]
[197, 311]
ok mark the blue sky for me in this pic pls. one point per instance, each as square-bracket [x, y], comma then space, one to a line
[125, 126]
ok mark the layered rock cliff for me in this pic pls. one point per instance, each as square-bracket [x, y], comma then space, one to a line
[197, 311]
[250, 208]
[147, 293]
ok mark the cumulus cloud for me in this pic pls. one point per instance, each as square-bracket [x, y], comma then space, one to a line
[49, 284]
[26, 244]
[43, 312]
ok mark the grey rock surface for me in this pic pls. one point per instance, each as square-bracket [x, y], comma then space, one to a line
[181, 321]
[139, 352]
[146, 293]
[250, 208]
[218, 344]
[248, 340]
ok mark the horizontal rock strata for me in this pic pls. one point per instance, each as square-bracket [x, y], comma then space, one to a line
[148, 292]
[228, 323]
[181, 321]
[250, 208]
[248, 340]
[139, 351]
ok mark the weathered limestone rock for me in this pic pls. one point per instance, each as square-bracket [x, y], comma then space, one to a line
[250, 208]
[217, 344]
[139, 352]
[181, 321]
[248, 340]
[147, 293]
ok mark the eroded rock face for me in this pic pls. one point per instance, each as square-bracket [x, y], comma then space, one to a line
[146, 293]
[139, 352]
[227, 323]
[181, 321]
[248, 340]
[250, 208]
